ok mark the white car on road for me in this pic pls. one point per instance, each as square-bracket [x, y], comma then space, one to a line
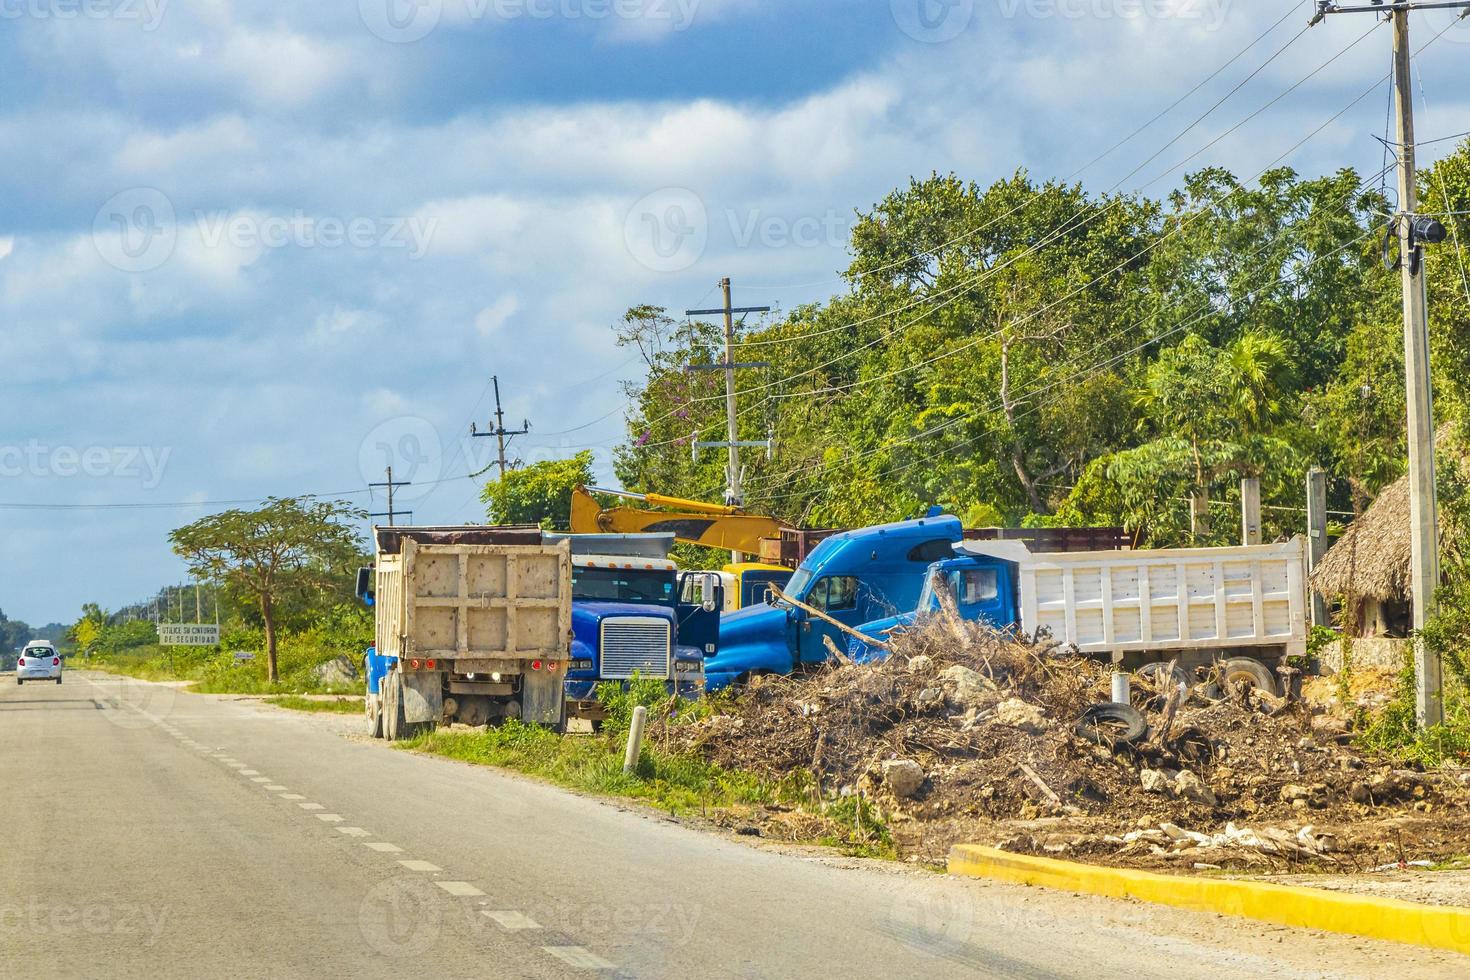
[39, 661]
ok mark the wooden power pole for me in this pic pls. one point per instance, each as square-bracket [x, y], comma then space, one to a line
[732, 442]
[503, 436]
[1413, 231]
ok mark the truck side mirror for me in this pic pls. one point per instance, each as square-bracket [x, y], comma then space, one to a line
[365, 585]
[709, 592]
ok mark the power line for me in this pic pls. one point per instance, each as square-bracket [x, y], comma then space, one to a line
[1067, 227]
[1291, 9]
[1206, 310]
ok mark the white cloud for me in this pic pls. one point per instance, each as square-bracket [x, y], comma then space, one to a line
[493, 318]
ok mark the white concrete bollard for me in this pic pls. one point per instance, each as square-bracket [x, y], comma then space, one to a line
[1121, 694]
[635, 739]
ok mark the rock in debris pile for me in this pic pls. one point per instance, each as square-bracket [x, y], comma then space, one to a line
[963, 735]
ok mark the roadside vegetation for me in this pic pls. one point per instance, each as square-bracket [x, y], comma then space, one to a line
[677, 782]
[132, 648]
[338, 705]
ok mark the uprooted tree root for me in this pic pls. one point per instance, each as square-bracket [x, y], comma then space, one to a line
[963, 735]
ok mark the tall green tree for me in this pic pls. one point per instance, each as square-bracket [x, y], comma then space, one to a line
[288, 547]
[538, 494]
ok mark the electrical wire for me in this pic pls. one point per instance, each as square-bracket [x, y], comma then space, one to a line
[1091, 371]
[1291, 10]
[980, 277]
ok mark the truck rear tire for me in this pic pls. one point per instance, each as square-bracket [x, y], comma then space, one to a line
[1157, 671]
[1247, 670]
[394, 729]
[372, 705]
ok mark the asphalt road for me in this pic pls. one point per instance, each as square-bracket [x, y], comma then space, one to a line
[153, 833]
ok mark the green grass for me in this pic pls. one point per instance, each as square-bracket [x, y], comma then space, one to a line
[671, 782]
[341, 706]
[210, 671]
[1393, 731]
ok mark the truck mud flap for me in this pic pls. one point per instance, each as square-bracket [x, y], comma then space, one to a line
[423, 697]
[541, 697]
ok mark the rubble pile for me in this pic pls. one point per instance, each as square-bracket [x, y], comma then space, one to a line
[961, 735]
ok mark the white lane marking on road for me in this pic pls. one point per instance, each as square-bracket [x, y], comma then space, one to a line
[311, 806]
[292, 796]
[513, 921]
[353, 832]
[275, 788]
[578, 958]
[329, 817]
[260, 779]
[384, 847]
[250, 772]
[420, 866]
[462, 889]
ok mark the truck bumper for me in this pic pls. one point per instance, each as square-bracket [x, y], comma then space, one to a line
[715, 680]
[689, 685]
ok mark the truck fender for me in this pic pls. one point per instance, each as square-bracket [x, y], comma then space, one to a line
[423, 697]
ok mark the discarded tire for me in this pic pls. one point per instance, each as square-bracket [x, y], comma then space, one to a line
[1110, 724]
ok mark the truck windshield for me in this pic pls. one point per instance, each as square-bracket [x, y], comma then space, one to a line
[796, 588]
[623, 585]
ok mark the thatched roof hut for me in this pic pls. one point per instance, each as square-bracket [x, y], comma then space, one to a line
[1371, 560]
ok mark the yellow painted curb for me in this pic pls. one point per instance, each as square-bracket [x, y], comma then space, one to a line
[1437, 926]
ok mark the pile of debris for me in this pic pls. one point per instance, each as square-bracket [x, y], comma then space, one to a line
[961, 735]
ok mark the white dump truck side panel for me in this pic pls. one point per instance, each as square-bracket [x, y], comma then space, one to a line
[388, 605]
[1170, 599]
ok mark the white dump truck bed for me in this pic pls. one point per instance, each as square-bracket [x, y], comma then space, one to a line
[1169, 599]
[480, 620]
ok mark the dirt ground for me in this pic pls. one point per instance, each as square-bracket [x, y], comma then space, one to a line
[961, 736]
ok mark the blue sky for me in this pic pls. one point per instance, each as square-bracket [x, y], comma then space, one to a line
[264, 248]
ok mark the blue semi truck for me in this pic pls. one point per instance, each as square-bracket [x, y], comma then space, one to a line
[854, 576]
[634, 612]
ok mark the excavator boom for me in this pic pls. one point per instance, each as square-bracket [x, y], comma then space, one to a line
[691, 521]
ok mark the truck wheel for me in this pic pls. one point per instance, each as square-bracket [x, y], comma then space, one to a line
[392, 710]
[1156, 672]
[1246, 670]
[374, 712]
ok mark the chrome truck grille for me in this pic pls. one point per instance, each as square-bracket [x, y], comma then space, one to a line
[631, 643]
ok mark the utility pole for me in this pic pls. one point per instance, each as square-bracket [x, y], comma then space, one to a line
[1317, 537]
[732, 443]
[502, 435]
[1413, 230]
[391, 485]
[1250, 511]
[1424, 567]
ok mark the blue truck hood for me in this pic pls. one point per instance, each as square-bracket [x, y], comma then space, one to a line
[752, 639]
[759, 622]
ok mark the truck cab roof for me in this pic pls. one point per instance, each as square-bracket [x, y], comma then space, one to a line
[620, 546]
[624, 561]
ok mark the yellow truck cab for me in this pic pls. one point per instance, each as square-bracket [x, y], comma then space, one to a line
[745, 583]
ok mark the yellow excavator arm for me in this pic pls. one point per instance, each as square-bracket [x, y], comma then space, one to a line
[691, 521]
